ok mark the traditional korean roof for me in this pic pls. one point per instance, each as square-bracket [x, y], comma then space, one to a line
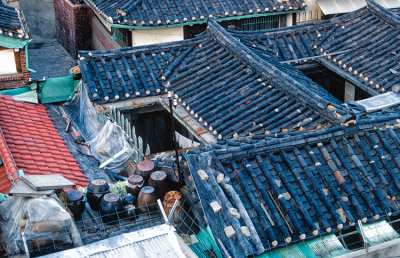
[361, 46]
[29, 141]
[230, 89]
[161, 12]
[12, 23]
[288, 188]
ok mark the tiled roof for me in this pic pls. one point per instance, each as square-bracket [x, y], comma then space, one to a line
[33, 143]
[162, 12]
[230, 89]
[369, 36]
[12, 23]
[301, 186]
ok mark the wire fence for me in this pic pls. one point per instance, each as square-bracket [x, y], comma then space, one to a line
[199, 239]
[95, 226]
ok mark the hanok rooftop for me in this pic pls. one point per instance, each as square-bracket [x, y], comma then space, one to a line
[281, 142]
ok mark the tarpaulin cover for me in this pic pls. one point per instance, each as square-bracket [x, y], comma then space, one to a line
[105, 138]
[56, 89]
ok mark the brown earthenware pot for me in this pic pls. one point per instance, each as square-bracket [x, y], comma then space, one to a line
[168, 203]
[147, 200]
[144, 168]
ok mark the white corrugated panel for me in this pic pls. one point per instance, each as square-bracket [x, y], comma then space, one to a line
[379, 232]
[380, 102]
[158, 241]
[345, 6]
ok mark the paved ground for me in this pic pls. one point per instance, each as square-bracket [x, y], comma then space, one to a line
[48, 58]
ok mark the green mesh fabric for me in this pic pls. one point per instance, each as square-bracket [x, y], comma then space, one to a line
[56, 89]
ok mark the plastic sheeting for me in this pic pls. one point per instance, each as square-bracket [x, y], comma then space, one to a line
[44, 219]
[47, 219]
[106, 139]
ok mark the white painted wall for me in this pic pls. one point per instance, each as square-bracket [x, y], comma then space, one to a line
[154, 36]
[289, 20]
[312, 13]
[7, 62]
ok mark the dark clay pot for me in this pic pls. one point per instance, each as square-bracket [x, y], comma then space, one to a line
[158, 180]
[134, 184]
[144, 168]
[75, 203]
[96, 189]
[111, 208]
[147, 200]
[128, 199]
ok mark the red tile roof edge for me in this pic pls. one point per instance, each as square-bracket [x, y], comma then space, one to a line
[8, 160]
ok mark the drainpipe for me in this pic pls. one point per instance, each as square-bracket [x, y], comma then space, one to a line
[27, 59]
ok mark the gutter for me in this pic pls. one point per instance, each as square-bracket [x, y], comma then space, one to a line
[27, 59]
[197, 22]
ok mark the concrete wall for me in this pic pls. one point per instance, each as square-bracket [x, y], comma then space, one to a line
[7, 62]
[312, 13]
[289, 20]
[153, 36]
[40, 16]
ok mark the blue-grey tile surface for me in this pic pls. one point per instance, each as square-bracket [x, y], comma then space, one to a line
[369, 36]
[12, 23]
[232, 90]
[163, 12]
[305, 184]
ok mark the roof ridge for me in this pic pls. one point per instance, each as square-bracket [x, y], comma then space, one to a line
[269, 143]
[265, 68]
[129, 6]
[383, 13]
[8, 160]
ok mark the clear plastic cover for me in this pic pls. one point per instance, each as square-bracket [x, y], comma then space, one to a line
[44, 221]
[109, 143]
[11, 213]
[106, 139]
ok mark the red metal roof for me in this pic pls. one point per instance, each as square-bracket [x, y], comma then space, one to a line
[29, 141]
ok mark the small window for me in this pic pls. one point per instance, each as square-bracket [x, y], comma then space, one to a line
[7, 62]
[123, 36]
[260, 23]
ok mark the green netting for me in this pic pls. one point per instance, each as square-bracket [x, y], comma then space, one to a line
[205, 244]
[300, 250]
[56, 89]
[325, 246]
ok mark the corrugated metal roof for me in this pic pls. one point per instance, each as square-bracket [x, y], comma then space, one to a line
[379, 232]
[380, 102]
[345, 6]
[158, 241]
